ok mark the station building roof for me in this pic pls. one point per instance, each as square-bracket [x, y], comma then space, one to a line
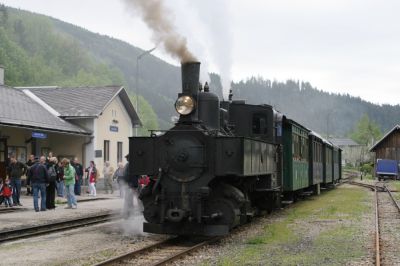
[394, 129]
[50, 108]
[17, 109]
[83, 102]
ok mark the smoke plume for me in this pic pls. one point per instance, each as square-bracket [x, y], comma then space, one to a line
[217, 24]
[155, 15]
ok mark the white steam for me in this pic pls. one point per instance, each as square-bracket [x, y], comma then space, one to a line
[132, 224]
[216, 21]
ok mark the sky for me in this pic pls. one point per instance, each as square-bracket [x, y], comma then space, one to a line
[339, 46]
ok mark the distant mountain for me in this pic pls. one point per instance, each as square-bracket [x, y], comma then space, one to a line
[39, 50]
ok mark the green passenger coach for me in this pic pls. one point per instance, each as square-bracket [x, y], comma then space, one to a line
[328, 164]
[295, 156]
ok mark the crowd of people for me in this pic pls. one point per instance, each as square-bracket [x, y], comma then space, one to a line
[47, 177]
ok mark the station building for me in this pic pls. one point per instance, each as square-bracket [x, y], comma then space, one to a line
[91, 123]
[388, 147]
[353, 154]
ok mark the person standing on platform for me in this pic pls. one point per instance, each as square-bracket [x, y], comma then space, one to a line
[15, 171]
[130, 192]
[78, 176]
[69, 179]
[51, 188]
[60, 180]
[108, 172]
[119, 175]
[49, 156]
[39, 179]
[92, 178]
[29, 164]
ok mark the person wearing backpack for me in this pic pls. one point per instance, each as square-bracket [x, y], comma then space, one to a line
[38, 178]
[51, 188]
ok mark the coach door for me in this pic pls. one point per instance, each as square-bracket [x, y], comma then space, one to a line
[3, 157]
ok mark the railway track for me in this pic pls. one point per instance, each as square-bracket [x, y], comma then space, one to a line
[388, 215]
[31, 231]
[387, 224]
[161, 252]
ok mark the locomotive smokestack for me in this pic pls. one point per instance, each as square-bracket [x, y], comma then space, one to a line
[190, 87]
[190, 78]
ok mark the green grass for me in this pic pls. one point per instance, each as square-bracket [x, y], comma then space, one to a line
[320, 230]
[274, 233]
[395, 185]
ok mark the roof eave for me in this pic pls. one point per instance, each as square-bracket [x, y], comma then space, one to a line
[384, 137]
[136, 122]
[83, 133]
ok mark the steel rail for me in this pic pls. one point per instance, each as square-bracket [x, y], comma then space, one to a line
[132, 254]
[377, 237]
[392, 197]
[185, 252]
[165, 244]
[25, 232]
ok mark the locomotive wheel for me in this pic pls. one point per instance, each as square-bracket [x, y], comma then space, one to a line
[223, 211]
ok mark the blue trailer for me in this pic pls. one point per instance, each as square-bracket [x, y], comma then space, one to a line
[387, 169]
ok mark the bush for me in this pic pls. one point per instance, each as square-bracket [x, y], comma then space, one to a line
[366, 168]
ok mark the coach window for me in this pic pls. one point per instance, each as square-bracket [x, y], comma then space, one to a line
[259, 124]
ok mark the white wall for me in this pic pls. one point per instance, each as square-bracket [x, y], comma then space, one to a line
[114, 111]
[89, 125]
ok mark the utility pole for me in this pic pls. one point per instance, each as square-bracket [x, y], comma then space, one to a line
[137, 82]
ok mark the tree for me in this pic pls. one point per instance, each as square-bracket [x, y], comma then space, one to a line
[3, 15]
[366, 131]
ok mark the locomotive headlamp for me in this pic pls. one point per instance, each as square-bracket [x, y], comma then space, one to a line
[185, 105]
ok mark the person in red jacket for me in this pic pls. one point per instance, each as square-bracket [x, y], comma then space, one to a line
[6, 193]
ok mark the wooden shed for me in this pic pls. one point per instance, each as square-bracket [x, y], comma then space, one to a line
[389, 146]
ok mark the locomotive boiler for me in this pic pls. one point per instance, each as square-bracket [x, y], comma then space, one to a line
[215, 169]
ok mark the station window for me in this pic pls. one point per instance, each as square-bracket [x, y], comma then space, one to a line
[106, 150]
[119, 151]
[19, 152]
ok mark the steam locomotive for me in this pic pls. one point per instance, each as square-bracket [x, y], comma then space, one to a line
[225, 162]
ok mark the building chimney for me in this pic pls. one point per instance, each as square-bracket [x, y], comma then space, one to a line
[1, 75]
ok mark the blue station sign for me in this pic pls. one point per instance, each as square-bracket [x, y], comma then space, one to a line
[39, 135]
[113, 128]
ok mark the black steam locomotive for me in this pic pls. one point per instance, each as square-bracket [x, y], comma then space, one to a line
[224, 162]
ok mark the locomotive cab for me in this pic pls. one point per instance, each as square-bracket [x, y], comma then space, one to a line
[255, 121]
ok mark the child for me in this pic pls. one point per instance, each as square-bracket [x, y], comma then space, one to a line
[6, 192]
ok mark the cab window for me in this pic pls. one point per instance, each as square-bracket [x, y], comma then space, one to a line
[259, 124]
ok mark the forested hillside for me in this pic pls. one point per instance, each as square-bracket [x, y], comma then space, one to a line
[35, 53]
[323, 112]
[39, 50]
